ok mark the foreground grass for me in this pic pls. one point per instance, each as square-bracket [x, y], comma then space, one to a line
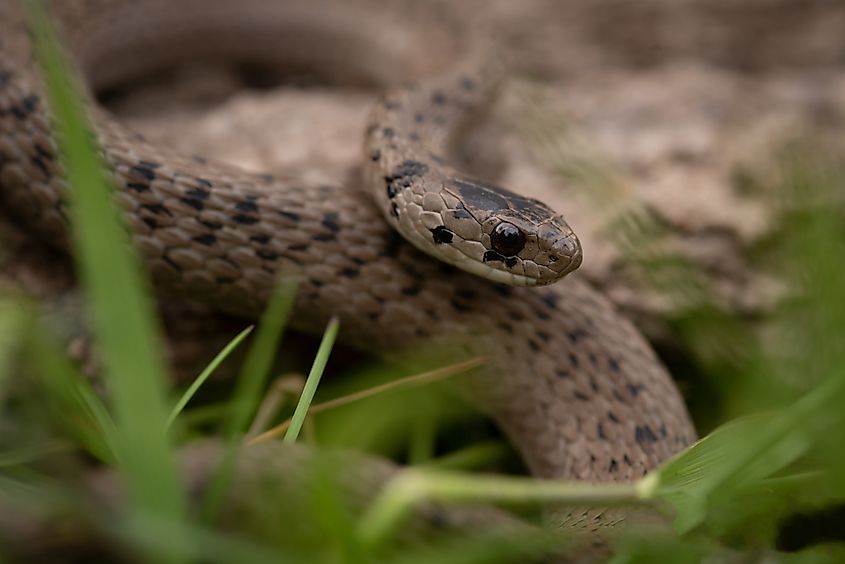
[724, 495]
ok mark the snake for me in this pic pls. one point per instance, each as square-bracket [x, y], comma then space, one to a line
[409, 252]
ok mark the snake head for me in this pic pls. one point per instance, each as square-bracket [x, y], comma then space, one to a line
[505, 237]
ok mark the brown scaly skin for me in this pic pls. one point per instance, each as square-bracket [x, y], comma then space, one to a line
[576, 388]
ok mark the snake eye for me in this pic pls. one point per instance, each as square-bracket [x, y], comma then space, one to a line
[507, 239]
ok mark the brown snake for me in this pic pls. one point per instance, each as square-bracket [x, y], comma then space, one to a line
[574, 385]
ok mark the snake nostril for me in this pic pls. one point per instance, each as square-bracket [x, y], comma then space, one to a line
[507, 239]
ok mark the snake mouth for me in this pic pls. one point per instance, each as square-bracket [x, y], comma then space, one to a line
[497, 275]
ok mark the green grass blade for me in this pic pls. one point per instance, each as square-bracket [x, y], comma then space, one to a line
[256, 367]
[121, 310]
[251, 382]
[208, 371]
[313, 380]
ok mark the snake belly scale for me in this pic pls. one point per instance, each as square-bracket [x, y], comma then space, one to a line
[574, 386]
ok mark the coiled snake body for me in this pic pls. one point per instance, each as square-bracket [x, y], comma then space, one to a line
[574, 386]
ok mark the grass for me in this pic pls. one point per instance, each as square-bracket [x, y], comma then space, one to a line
[775, 454]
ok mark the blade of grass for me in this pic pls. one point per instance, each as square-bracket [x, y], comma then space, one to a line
[121, 310]
[413, 486]
[415, 380]
[313, 380]
[251, 382]
[208, 371]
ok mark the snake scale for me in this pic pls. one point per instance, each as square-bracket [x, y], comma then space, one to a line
[573, 385]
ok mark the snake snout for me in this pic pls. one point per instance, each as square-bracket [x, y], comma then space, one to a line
[566, 251]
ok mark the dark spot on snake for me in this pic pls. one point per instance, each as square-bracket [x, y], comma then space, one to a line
[388, 132]
[506, 327]
[460, 306]
[213, 225]
[419, 117]
[203, 182]
[260, 239]
[143, 171]
[316, 283]
[593, 384]
[510, 262]
[507, 239]
[467, 84]
[533, 345]
[244, 219]
[148, 164]
[634, 389]
[371, 127]
[196, 204]
[394, 209]
[30, 102]
[627, 460]
[266, 254]
[392, 105]
[600, 431]
[298, 247]
[492, 256]
[199, 159]
[267, 177]
[375, 155]
[414, 136]
[441, 235]
[151, 222]
[207, 240]
[644, 434]
[198, 194]
[437, 158]
[357, 260]
[39, 163]
[438, 98]
[290, 215]
[662, 431]
[42, 152]
[393, 242]
[172, 264]
[581, 396]
[411, 290]
[5, 77]
[372, 315]
[543, 336]
[591, 356]
[503, 290]
[562, 373]
[551, 299]
[138, 187]
[402, 176]
[350, 272]
[613, 364]
[246, 206]
[613, 467]
[573, 360]
[612, 417]
[157, 209]
[466, 293]
[325, 237]
[330, 221]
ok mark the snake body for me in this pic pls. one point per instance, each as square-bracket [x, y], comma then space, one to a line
[574, 385]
